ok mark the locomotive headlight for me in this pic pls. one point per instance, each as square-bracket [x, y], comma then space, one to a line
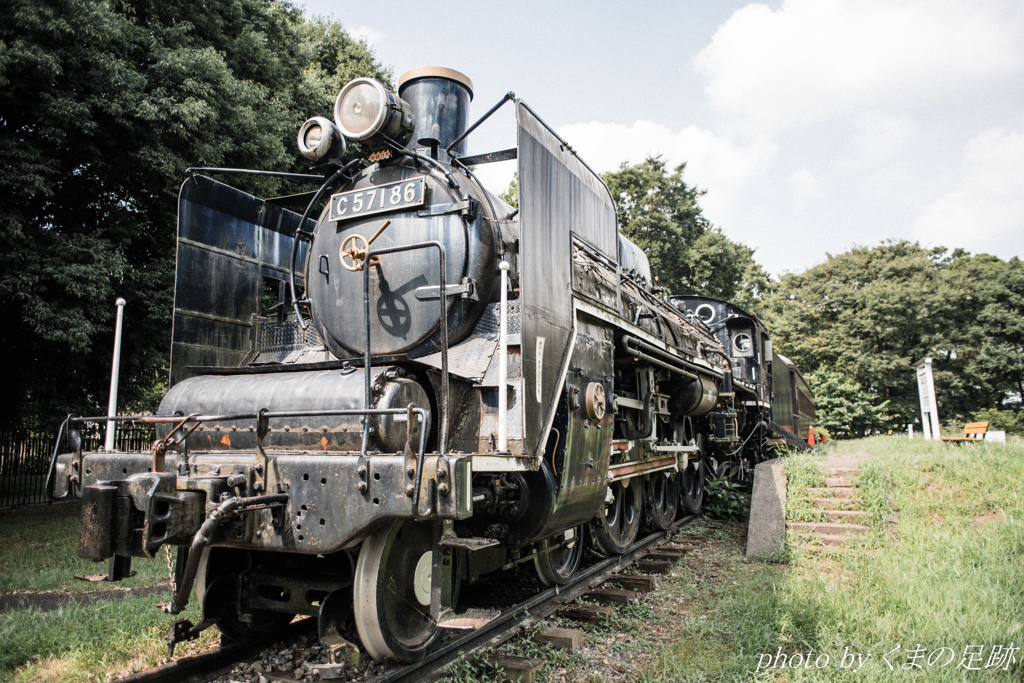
[319, 139]
[365, 110]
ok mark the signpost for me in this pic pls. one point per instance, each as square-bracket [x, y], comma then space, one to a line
[929, 408]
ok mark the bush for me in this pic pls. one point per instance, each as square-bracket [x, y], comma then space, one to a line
[724, 500]
[1009, 421]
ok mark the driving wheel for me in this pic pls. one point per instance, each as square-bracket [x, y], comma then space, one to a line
[662, 499]
[616, 526]
[692, 480]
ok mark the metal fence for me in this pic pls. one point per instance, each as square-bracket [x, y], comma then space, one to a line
[25, 455]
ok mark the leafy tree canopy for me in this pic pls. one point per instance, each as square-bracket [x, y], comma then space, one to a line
[871, 312]
[660, 213]
[103, 105]
[842, 407]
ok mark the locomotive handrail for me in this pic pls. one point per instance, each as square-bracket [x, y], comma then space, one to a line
[509, 96]
[246, 171]
[301, 234]
[160, 419]
[442, 441]
[264, 414]
[52, 470]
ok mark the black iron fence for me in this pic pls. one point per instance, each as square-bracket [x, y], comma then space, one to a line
[25, 455]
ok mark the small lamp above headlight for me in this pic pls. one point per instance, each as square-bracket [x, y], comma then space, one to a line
[366, 111]
[320, 139]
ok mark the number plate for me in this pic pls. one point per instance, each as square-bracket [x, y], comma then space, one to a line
[390, 197]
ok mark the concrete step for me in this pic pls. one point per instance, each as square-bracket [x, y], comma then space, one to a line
[825, 539]
[832, 493]
[842, 471]
[835, 503]
[838, 482]
[826, 528]
[846, 515]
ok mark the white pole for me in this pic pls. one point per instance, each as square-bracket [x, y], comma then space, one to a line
[929, 407]
[503, 361]
[114, 371]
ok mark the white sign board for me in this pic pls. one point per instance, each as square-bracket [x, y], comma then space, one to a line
[929, 407]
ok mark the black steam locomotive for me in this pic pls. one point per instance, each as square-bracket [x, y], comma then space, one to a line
[449, 386]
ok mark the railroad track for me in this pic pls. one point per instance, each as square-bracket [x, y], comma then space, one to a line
[449, 649]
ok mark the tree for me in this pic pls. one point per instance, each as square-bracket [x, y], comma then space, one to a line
[842, 407]
[660, 213]
[511, 194]
[103, 105]
[994, 338]
[871, 312]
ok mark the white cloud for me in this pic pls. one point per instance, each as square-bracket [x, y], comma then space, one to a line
[805, 186]
[371, 35]
[985, 212]
[812, 60]
[713, 162]
[880, 137]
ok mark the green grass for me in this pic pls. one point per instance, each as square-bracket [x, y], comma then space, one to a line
[39, 551]
[803, 471]
[948, 575]
[87, 642]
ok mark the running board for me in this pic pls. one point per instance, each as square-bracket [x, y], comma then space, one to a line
[470, 620]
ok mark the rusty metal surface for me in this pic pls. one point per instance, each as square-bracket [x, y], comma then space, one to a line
[327, 508]
[309, 391]
[229, 242]
[582, 462]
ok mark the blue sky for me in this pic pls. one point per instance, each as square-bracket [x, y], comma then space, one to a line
[814, 125]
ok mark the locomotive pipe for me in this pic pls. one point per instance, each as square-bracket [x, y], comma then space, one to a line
[503, 362]
[299, 232]
[637, 353]
[443, 299]
[203, 538]
[453, 182]
[652, 354]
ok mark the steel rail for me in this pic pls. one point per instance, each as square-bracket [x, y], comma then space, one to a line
[492, 634]
[507, 625]
[210, 661]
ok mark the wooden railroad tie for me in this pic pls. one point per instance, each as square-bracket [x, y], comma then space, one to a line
[521, 669]
[695, 540]
[636, 582]
[589, 613]
[654, 566]
[610, 596]
[561, 638]
[672, 554]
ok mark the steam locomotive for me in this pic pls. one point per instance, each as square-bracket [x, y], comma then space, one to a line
[448, 386]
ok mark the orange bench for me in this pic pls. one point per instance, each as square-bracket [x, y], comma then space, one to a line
[973, 432]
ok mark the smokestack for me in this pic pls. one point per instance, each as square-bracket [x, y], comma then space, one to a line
[440, 99]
